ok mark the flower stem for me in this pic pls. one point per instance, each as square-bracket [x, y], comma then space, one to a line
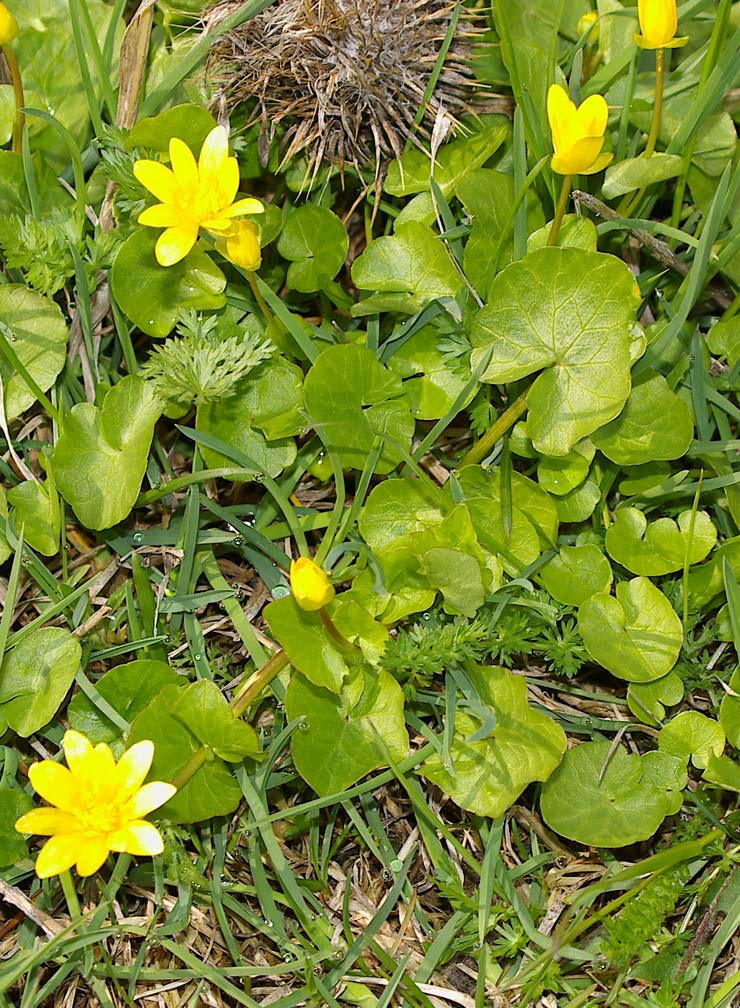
[20, 101]
[658, 106]
[257, 682]
[269, 317]
[507, 419]
[336, 634]
[560, 210]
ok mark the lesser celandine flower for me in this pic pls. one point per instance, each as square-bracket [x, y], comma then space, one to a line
[658, 24]
[242, 245]
[577, 133]
[8, 25]
[589, 23]
[312, 589]
[193, 195]
[98, 806]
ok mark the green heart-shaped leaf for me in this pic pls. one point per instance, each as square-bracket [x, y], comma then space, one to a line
[661, 546]
[315, 242]
[569, 315]
[577, 573]
[611, 799]
[35, 677]
[636, 636]
[487, 775]
[38, 335]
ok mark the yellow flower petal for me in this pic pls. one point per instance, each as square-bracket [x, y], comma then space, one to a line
[175, 243]
[137, 838]
[214, 152]
[599, 164]
[55, 784]
[58, 854]
[248, 205]
[157, 178]
[658, 21]
[47, 822]
[91, 854]
[148, 798]
[560, 109]
[593, 115]
[242, 247]
[8, 25]
[134, 765]
[160, 215]
[183, 164]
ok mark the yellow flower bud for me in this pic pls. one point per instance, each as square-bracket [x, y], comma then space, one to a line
[242, 246]
[8, 25]
[588, 23]
[658, 24]
[312, 589]
[577, 133]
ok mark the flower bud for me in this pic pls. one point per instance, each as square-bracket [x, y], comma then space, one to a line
[312, 589]
[8, 25]
[242, 246]
[588, 24]
[577, 133]
[658, 24]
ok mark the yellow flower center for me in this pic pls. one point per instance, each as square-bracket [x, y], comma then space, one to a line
[100, 816]
[199, 204]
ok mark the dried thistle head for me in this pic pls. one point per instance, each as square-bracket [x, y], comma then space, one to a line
[346, 78]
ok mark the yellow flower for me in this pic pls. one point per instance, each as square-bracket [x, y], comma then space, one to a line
[8, 26]
[99, 806]
[194, 195]
[577, 133]
[658, 24]
[242, 245]
[312, 589]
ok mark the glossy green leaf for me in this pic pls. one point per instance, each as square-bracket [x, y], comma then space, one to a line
[569, 315]
[636, 436]
[577, 573]
[692, 735]
[152, 295]
[636, 636]
[707, 582]
[639, 172]
[38, 332]
[724, 339]
[662, 546]
[315, 242]
[575, 232]
[212, 790]
[729, 710]
[203, 709]
[308, 644]
[101, 455]
[648, 701]
[37, 510]
[128, 689]
[13, 846]
[409, 269]
[189, 123]
[487, 775]
[578, 504]
[353, 399]
[559, 474]
[342, 737]
[35, 677]
[722, 772]
[607, 799]
[259, 420]
[430, 384]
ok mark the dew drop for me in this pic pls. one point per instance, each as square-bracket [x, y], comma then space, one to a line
[137, 538]
[280, 591]
[304, 724]
[396, 865]
[238, 540]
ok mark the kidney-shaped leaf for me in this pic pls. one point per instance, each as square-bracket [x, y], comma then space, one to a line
[315, 242]
[39, 335]
[100, 457]
[487, 775]
[570, 315]
[610, 799]
[576, 573]
[661, 546]
[35, 677]
[693, 735]
[344, 736]
[636, 636]
[352, 399]
[411, 267]
[655, 424]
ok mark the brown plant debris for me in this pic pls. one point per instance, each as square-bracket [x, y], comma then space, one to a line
[346, 78]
